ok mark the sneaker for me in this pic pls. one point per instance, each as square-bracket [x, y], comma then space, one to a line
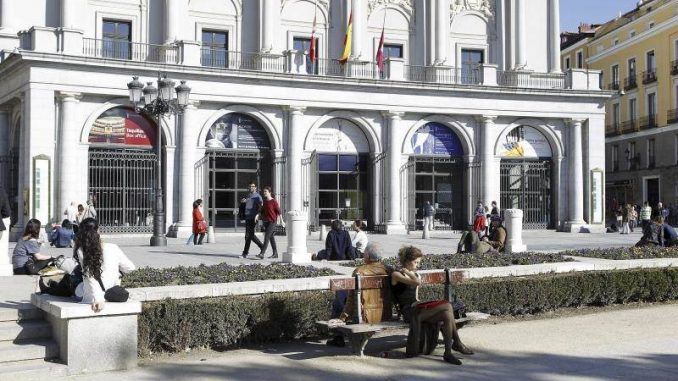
[275, 255]
[260, 255]
[244, 255]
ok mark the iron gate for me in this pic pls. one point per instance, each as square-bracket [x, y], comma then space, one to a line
[121, 186]
[408, 206]
[526, 185]
[309, 189]
[379, 172]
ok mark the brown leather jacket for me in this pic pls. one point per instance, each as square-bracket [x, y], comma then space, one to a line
[376, 304]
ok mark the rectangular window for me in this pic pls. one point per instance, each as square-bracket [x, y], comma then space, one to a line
[651, 25]
[303, 44]
[650, 153]
[650, 63]
[615, 115]
[632, 68]
[632, 34]
[580, 60]
[651, 105]
[632, 109]
[117, 39]
[616, 41]
[615, 77]
[632, 156]
[214, 51]
[567, 62]
[393, 51]
[615, 158]
[470, 59]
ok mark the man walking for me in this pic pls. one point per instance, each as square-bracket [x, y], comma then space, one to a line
[645, 216]
[429, 212]
[253, 203]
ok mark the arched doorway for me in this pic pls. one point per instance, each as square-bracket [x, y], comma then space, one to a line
[339, 169]
[526, 176]
[435, 172]
[122, 170]
[238, 152]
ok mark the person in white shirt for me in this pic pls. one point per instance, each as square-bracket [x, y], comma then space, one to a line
[99, 261]
[359, 239]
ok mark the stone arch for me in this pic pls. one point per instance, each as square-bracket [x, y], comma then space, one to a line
[406, 11]
[266, 123]
[323, 7]
[452, 123]
[557, 148]
[195, 5]
[364, 125]
[120, 102]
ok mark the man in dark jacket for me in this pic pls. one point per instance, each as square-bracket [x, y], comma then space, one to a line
[338, 245]
[669, 237]
[5, 210]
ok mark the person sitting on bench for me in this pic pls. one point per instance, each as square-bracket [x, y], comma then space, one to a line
[405, 284]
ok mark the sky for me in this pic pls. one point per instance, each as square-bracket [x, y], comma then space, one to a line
[572, 12]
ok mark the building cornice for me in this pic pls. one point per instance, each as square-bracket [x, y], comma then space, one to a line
[643, 17]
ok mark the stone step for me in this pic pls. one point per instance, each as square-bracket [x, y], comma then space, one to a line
[30, 370]
[28, 350]
[21, 311]
[25, 329]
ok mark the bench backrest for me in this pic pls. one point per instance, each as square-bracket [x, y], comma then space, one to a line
[359, 283]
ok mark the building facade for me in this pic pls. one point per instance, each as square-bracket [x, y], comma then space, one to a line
[638, 56]
[472, 104]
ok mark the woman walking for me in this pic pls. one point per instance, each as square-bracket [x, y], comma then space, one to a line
[479, 218]
[270, 211]
[102, 264]
[199, 223]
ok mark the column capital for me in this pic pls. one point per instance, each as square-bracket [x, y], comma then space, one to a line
[486, 118]
[393, 114]
[69, 96]
[577, 122]
[295, 110]
[192, 104]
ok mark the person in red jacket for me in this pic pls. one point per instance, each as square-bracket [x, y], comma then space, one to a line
[199, 223]
[269, 213]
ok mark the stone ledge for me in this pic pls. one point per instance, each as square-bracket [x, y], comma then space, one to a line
[65, 308]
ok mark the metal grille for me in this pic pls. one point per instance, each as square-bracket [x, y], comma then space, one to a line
[408, 207]
[379, 172]
[526, 185]
[309, 187]
[121, 185]
[9, 177]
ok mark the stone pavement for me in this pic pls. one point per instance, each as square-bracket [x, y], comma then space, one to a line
[613, 344]
[229, 246]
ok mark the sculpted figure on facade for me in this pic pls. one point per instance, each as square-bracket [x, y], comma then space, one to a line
[483, 6]
[405, 4]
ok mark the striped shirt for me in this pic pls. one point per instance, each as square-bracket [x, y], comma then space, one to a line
[645, 213]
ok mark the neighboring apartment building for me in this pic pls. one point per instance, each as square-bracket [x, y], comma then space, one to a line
[638, 55]
[472, 104]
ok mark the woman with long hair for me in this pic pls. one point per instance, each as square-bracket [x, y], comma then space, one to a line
[101, 264]
[269, 213]
[199, 223]
[26, 257]
[405, 285]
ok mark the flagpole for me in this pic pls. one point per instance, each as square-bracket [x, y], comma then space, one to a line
[315, 57]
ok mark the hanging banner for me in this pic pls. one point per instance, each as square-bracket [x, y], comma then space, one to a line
[525, 142]
[436, 139]
[122, 126]
[338, 135]
[237, 131]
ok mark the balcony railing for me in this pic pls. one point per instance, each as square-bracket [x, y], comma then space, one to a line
[628, 126]
[130, 51]
[228, 59]
[674, 67]
[648, 122]
[443, 74]
[612, 129]
[630, 83]
[613, 85]
[672, 116]
[649, 76]
[531, 79]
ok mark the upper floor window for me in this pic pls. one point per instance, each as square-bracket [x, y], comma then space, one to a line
[470, 59]
[214, 48]
[580, 60]
[616, 42]
[303, 44]
[615, 77]
[615, 158]
[650, 153]
[632, 68]
[567, 62]
[632, 34]
[615, 115]
[632, 109]
[651, 63]
[651, 25]
[651, 105]
[631, 156]
[117, 37]
[393, 51]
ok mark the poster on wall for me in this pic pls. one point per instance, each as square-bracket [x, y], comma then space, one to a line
[237, 131]
[436, 139]
[597, 196]
[41, 187]
[525, 142]
[122, 126]
[338, 135]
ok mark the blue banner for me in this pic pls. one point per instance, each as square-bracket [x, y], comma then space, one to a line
[436, 139]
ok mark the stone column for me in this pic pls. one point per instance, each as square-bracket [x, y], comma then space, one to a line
[358, 29]
[68, 149]
[576, 177]
[521, 38]
[10, 16]
[70, 10]
[294, 149]
[487, 159]
[267, 23]
[176, 12]
[430, 38]
[188, 132]
[554, 36]
[442, 16]
[394, 223]
[514, 231]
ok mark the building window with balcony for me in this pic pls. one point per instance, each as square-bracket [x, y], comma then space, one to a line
[303, 44]
[614, 80]
[631, 156]
[615, 115]
[632, 109]
[470, 60]
[652, 105]
[214, 52]
[630, 82]
[650, 153]
[615, 158]
[580, 60]
[391, 51]
[117, 39]
[567, 62]
[650, 74]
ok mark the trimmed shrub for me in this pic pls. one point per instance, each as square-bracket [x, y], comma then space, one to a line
[230, 322]
[221, 273]
[621, 253]
[470, 260]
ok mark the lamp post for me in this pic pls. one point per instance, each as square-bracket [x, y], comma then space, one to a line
[156, 102]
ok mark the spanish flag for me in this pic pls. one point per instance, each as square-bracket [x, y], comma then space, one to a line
[347, 40]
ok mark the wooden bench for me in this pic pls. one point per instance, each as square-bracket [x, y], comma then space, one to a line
[359, 332]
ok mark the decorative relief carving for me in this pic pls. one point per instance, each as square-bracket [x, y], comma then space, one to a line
[483, 6]
[404, 4]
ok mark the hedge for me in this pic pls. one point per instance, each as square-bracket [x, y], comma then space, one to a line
[230, 322]
[470, 260]
[620, 253]
[220, 273]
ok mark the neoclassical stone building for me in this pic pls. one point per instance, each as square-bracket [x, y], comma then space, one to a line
[471, 104]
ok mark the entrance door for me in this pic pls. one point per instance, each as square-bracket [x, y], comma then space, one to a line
[526, 185]
[440, 182]
[652, 191]
[343, 187]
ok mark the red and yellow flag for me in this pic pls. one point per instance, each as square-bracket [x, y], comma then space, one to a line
[347, 40]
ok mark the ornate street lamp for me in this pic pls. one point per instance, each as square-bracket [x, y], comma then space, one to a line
[157, 102]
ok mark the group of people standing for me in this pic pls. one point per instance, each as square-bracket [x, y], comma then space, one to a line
[255, 208]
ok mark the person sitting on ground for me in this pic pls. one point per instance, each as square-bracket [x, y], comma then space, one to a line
[102, 264]
[669, 237]
[359, 240]
[372, 301]
[470, 243]
[62, 236]
[26, 257]
[337, 245]
[405, 285]
[497, 236]
[652, 234]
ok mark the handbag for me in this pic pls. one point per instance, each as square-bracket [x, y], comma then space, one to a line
[202, 226]
[115, 294]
